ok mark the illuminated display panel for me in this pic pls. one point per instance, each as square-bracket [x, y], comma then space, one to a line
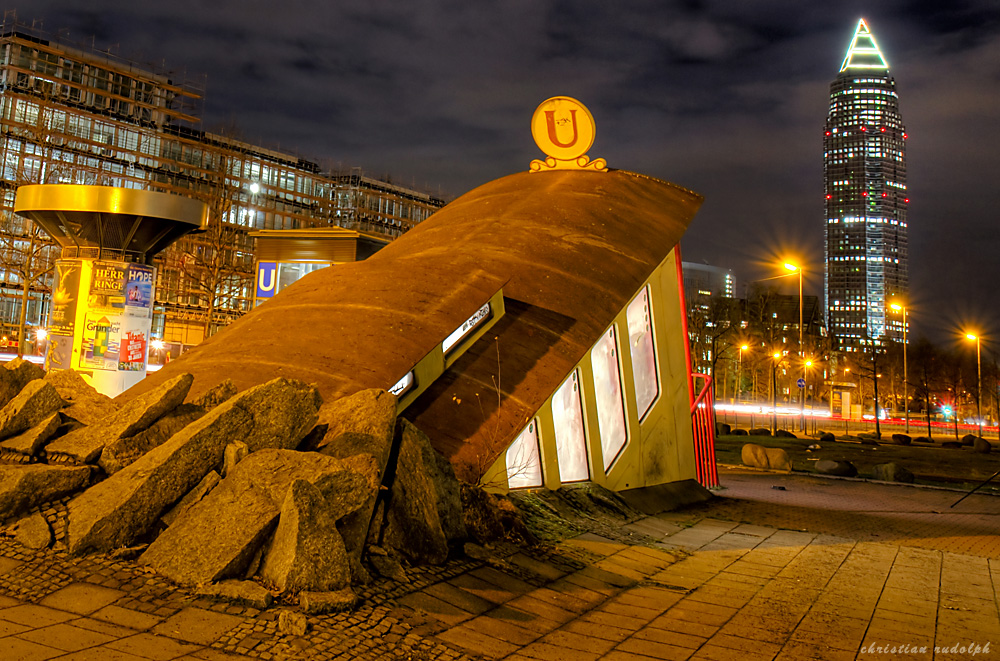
[571, 437]
[608, 395]
[524, 466]
[481, 315]
[403, 385]
[640, 339]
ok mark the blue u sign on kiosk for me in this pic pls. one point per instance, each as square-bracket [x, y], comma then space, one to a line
[267, 279]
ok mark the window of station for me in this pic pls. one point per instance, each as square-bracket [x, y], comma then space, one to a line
[640, 338]
[608, 395]
[571, 436]
[524, 466]
[289, 272]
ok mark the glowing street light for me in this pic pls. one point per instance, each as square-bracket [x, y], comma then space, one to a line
[739, 373]
[979, 385]
[777, 355]
[899, 307]
[802, 356]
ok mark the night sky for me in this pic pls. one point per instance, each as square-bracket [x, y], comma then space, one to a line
[725, 98]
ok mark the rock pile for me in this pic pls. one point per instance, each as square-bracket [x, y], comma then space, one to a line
[245, 495]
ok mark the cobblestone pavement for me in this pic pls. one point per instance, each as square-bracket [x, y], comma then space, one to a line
[820, 570]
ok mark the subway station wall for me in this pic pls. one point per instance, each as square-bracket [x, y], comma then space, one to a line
[621, 418]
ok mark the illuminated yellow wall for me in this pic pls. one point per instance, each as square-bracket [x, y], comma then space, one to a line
[660, 448]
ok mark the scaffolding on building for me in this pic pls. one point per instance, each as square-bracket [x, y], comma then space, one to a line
[68, 115]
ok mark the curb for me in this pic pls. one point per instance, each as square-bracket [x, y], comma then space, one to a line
[750, 469]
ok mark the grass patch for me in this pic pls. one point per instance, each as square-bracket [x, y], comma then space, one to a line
[930, 464]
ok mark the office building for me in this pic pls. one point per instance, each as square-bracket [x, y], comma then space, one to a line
[702, 280]
[864, 169]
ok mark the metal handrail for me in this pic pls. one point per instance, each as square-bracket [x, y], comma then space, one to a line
[703, 427]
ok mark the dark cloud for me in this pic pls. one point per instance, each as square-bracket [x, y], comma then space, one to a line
[726, 98]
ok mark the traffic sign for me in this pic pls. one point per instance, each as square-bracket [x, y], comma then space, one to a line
[801, 383]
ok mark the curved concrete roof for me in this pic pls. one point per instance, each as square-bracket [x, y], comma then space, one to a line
[570, 250]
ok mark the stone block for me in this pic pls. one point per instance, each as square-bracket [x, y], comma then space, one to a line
[306, 552]
[84, 403]
[316, 603]
[35, 403]
[31, 442]
[839, 468]
[33, 532]
[757, 456]
[240, 592]
[118, 510]
[121, 452]
[891, 472]
[193, 496]
[25, 487]
[901, 439]
[85, 445]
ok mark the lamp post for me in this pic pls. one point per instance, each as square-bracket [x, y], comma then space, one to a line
[739, 373]
[979, 384]
[808, 366]
[774, 392]
[899, 307]
[802, 355]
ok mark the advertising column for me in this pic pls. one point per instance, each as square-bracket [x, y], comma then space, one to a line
[101, 319]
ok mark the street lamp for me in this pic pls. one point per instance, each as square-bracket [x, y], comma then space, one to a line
[899, 307]
[979, 385]
[774, 392]
[739, 373]
[802, 356]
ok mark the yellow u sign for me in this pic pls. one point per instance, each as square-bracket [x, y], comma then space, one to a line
[564, 129]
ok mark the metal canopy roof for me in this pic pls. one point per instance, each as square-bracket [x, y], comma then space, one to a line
[118, 222]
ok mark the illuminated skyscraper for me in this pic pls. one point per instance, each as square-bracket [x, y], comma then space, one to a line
[864, 168]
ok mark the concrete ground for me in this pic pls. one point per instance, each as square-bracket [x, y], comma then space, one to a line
[780, 567]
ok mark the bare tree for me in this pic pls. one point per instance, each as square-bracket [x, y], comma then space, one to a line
[27, 253]
[217, 263]
[924, 358]
[712, 320]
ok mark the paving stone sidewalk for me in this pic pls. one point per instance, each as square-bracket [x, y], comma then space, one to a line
[820, 571]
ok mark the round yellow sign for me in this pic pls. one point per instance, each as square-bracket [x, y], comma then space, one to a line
[563, 128]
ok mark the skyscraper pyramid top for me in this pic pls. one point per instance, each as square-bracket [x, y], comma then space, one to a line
[863, 52]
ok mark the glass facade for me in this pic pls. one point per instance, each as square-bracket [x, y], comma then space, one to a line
[524, 467]
[608, 397]
[640, 340]
[864, 166]
[571, 435]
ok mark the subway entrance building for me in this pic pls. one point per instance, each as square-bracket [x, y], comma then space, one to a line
[534, 328]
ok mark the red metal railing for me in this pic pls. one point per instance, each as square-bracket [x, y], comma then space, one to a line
[703, 425]
[702, 414]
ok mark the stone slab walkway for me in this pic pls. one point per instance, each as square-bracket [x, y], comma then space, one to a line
[817, 570]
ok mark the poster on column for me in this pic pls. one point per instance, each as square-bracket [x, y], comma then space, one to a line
[139, 291]
[64, 297]
[60, 353]
[101, 341]
[134, 344]
[107, 287]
